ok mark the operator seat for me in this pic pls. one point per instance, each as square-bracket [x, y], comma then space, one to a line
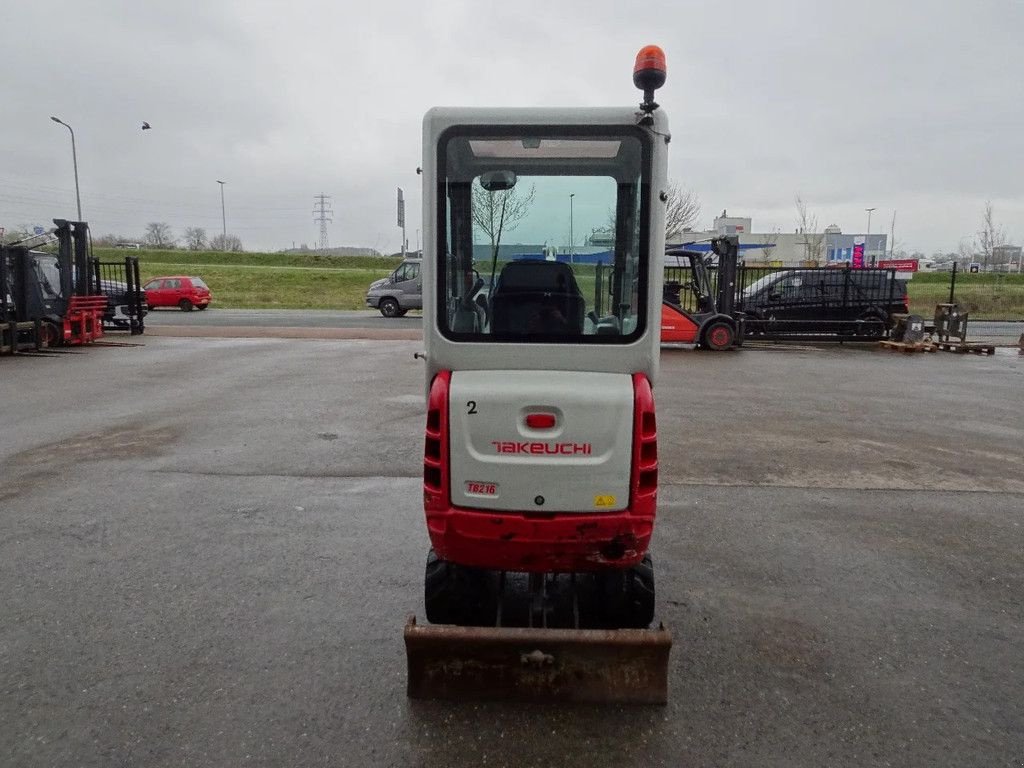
[534, 296]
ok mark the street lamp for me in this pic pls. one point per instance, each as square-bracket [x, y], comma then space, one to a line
[867, 237]
[74, 159]
[223, 218]
[571, 196]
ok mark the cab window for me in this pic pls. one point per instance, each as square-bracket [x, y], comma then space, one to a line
[542, 235]
[412, 271]
[789, 284]
[47, 270]
[406, 272]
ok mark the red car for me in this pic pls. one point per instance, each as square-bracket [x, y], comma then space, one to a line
[185, 293]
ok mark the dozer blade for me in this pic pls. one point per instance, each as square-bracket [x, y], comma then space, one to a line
[532, 664]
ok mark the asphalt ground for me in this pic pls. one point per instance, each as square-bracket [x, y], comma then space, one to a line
[282, 318]
[347, 324]
[208, 548]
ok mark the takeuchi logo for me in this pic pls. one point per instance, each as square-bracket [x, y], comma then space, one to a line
[542, 449]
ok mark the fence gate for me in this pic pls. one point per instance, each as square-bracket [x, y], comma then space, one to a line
[803, 303]
[121, 284]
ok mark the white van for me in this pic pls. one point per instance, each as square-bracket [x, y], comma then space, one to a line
[400, 291]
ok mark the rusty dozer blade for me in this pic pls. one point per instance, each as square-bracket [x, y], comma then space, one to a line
[537, 664]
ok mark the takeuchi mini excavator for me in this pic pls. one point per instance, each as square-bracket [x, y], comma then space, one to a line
[540, 466]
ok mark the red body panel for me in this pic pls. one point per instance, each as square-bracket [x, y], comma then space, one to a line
[677, 327]
[531, 542]
[562, 543]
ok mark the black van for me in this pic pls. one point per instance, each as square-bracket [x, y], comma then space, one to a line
[827, 300]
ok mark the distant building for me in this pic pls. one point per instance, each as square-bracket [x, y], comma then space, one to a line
[840, 248]
[732, 225]
[601, 238]
[793, 249]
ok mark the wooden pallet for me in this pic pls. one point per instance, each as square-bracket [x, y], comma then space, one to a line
[962, 347]
[900, 346]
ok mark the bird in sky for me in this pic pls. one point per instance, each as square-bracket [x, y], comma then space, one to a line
[145, 126]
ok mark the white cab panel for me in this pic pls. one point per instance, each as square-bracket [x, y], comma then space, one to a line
[581, 464]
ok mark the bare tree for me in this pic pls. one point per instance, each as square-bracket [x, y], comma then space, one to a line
[898, 250]
[807, 223]
[496, 213]
[681, 210]
[966, 253]
[768, 240]
[195, 238]
[990, 236]
[16, 233]
[158, 235]
[226, 243]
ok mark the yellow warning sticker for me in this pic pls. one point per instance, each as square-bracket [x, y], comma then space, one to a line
[604, 501]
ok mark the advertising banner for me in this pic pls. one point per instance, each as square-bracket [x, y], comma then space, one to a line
[858, 253]
[900, 265]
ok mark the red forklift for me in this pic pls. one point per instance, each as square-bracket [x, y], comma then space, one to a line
[713, 324]
[540, 466]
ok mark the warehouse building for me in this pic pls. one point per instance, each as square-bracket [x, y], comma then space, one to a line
[794, 249]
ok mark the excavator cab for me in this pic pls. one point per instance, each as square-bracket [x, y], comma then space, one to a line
[540, 464]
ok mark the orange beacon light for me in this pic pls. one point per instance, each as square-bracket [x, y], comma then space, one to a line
[649, 73]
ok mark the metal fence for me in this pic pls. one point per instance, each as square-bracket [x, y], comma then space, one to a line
[832, 304]
[992, 302]
[829, 302]
[992, 296]
[121, 284]
[804, 302]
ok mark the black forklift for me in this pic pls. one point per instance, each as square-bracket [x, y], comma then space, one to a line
[51, 297]
[16, 335]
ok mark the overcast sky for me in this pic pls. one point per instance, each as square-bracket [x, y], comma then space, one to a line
[916, 107]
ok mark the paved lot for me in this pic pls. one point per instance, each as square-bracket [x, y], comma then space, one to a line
[282, 318]
[174, 322]
[208, 548]
[284, 324]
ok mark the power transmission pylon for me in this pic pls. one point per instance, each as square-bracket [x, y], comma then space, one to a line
[322, 213]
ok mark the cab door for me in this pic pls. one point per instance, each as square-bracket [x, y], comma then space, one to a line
[167, 294]
[408, 287]
[154, 293]
[415, 290]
